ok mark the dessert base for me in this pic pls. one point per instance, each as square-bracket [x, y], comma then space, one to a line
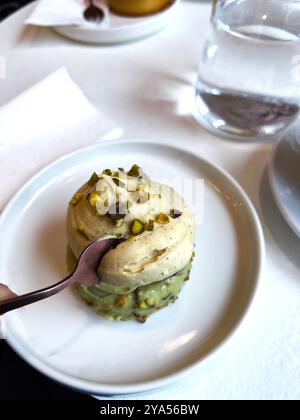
[116, 304]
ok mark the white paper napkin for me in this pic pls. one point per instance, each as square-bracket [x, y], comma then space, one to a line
[65, 12]
[49, 120]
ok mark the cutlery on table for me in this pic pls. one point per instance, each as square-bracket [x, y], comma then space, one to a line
[94, 13]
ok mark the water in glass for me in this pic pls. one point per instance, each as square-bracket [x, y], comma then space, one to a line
[249, 75]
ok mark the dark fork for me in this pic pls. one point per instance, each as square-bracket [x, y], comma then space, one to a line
[85, 273]
[94, 13]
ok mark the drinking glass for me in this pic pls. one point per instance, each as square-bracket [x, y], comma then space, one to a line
[249, 75]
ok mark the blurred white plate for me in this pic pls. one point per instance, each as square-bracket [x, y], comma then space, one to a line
[284, 174]
[62, 338]
[121, 29]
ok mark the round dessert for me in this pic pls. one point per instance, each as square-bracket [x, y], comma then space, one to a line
[138, 7]
[147, 271]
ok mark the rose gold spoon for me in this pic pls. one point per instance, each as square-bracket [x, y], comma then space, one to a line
[85, 273]
[94, 13]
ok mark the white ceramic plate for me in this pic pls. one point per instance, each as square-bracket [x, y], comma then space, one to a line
[284, 173]
[63, 339]
[121, 29]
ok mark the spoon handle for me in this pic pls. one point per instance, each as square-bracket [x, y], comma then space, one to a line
[85, 273]
[29, 298]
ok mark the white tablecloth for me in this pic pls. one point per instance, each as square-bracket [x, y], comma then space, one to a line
[147, 88]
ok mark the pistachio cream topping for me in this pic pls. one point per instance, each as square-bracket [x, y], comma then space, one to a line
[156, 223]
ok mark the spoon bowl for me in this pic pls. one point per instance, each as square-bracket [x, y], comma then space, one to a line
[94, 13]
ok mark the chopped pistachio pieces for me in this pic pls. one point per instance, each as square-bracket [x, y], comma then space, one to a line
[143, 304]
[119, 223]
[121, 301]
[126, 304]
[141, 318]
[121, 169]
[150, 226]
[137, 227]
[93, 180]
[119, 183]
[150, 302]
[162, 219]
[94, 198]
[75, 200]
[134, 171]
[107, 172]
[175, 213]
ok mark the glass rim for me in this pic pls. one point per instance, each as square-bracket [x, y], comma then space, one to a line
[215, 2]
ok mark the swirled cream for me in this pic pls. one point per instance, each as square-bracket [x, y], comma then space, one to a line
[156, 222]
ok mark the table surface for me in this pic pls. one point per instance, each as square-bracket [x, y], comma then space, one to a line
[147, 89]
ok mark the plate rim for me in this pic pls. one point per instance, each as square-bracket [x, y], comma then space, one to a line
[97, 388]
[109, 33]
[273, 184]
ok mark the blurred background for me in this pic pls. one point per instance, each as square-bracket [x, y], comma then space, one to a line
[9, 6]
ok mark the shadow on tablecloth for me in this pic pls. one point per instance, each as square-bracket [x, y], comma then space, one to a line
[283, 235]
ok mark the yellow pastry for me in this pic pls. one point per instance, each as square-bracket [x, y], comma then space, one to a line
[138, 7]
